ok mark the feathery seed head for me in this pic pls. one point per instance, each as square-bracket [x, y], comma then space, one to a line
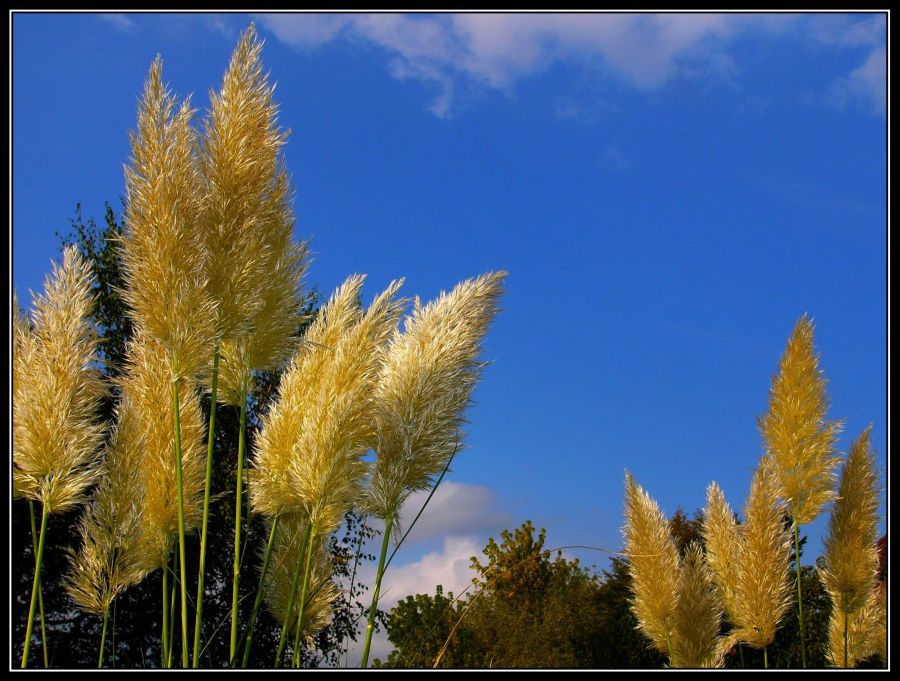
[653, 563]
[797, 435]
[270, 341]
[56, 389]
[723, 545]
[163, 252]
[309, 453]
[851, 558]
[247, 214]
[110, 559]
[23, 486]
[270, 484]
[148, 386]
[428, 374]
[763, 568]
[698, 614]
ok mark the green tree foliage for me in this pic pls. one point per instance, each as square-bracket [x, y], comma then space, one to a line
[133, 640]
[529, 608]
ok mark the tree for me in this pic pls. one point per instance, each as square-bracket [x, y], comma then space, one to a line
[529, 609]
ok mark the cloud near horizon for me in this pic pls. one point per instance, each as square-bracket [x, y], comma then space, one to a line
[455, 527]
[449, 566]
[455, 52]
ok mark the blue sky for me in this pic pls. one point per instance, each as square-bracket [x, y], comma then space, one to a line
[669, 194]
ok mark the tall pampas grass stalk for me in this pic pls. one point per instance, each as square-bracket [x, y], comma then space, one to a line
[429, 372]
[257, 601]
[56, 391]
[164, 258]
[110, 557]
[750, 562]
[800, 439]
[851, 559]
[653, 564]
[254, 270]
[34, 548]
[308, 457]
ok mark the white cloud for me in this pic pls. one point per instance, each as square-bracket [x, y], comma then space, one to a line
[448, 567]
[120, 22]
[304, 31]
[454, 527]
[455, 53]
[865, 86]
[455, 509]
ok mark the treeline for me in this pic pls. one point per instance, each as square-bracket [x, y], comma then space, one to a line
[532, 608]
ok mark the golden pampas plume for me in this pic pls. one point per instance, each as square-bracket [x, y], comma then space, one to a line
[851, 558]
[110, 558]
[697, 616]
[148, 387]
[653, 564]
[270, 484]
[164, 253]
[721, 535]
[308, 454]
[427, 378]
[763, 566]
[796, 433]
[253, 270]
[23, 486]
[271, 340]
[56, 390]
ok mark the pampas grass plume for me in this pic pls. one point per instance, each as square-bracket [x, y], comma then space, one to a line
[426, 382]
[309, 452]
[851, 559]
[56, 391]
[850, 573]
[867, 633]
[796, 433]
[763, 566]
[247, 218]
[163, 252]
[654, 566]
[723, 545]
[698, 614]
[271, 492]
[110, 558]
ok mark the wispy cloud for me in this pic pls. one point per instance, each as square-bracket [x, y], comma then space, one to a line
[865, 87]
[120, 22]
[614, 160]
[450, 53]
